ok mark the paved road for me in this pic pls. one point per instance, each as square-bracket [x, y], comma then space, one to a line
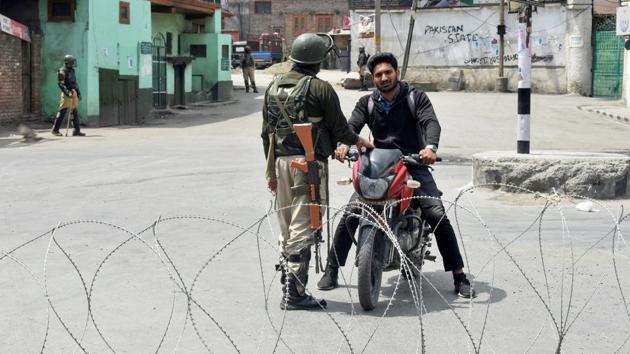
[208, 162]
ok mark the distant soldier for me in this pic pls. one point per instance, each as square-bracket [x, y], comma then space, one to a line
[70, 96]
[362, 63]
[248, 66]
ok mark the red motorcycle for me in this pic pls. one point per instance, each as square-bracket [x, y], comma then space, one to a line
[388, 226]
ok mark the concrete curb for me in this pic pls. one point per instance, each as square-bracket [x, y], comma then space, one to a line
[213, 104]
[594, 175]
[602, 111]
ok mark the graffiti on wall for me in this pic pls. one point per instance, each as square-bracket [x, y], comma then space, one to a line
[458, 38]
[482, 46]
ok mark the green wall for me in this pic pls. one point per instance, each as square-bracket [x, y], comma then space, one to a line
[174, 23]
[113, 45]
[61, 38]
[210, 66]
[99, 42]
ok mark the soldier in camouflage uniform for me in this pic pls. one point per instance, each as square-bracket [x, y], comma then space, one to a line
[249, 68]
[301, 97]
[70, 96]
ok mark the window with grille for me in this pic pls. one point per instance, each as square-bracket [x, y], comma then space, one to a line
[262, 7]
[124, 15]
[61, 10]
[299, 24]
[324, 23]
[198, 50]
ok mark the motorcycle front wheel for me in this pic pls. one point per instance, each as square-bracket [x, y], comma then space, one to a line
[369, 267]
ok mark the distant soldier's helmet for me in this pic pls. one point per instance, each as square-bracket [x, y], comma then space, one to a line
[69, 59]
[361, 49]
[310, 48]
[248, 49]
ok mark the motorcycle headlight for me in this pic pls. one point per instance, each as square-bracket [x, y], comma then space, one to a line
[373, 188]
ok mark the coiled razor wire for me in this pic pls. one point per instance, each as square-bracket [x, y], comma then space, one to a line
[562, 318]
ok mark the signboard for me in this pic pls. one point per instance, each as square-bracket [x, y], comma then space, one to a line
[623, 21]
[436, 4]
[385, 4]
[225, 64]
[14, 28]
[146, 48]
[366, 26]
[345, 22]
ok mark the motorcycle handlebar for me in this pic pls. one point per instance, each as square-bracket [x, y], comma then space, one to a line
[415, 159]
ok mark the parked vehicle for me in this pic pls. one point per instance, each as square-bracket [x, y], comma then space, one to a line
[262, 60]
[273, 43]
[381, 180]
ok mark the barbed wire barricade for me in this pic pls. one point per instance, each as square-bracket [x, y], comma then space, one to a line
[545, 273]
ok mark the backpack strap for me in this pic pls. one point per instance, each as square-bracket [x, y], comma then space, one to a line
[411, 102]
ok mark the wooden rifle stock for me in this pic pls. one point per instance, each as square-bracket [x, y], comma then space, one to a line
[311, 169]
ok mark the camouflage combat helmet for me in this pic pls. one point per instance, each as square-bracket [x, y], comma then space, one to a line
[69, 59]
[310, 48]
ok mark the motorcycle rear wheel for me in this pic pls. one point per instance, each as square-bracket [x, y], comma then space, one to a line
[369, 269]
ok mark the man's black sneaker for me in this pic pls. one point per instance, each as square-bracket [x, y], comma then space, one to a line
[329, 279]
[56, 133]
[78, 134]
[463, 289]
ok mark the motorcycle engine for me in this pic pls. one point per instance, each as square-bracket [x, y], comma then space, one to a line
[407, 229]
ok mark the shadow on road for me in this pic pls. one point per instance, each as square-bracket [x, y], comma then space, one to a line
[403, 304]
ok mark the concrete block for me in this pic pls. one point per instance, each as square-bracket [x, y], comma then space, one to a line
[594, 175]
[352, 81]
[426, 86]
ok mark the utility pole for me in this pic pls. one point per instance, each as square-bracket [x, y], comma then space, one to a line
[377, 26]
[412, 22]
[502, 81]
[524, 78]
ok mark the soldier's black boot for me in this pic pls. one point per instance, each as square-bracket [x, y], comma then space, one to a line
[329, 279]
[76, 124]
[294, 295]
[254, 87]
[246, 87]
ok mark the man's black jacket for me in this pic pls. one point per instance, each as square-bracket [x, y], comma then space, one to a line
[400, 128]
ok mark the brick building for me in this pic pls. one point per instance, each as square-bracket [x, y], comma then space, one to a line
[20, 62]
[292, 18]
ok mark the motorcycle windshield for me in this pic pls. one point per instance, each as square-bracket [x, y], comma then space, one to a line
[374, 174]
[378, 162]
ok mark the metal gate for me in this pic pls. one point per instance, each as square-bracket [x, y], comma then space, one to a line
[159, 72]
[608, 51]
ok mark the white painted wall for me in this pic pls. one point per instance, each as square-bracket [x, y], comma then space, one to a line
[466, 38]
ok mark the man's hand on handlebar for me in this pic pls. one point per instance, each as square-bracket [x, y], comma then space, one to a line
[341, 152]
[364, 144]
[428, 156]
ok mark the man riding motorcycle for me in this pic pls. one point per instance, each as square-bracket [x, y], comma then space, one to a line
[400, 117]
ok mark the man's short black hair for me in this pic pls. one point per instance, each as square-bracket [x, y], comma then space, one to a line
[380, 58]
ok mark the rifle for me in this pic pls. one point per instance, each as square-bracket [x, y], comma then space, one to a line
[311, 169]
